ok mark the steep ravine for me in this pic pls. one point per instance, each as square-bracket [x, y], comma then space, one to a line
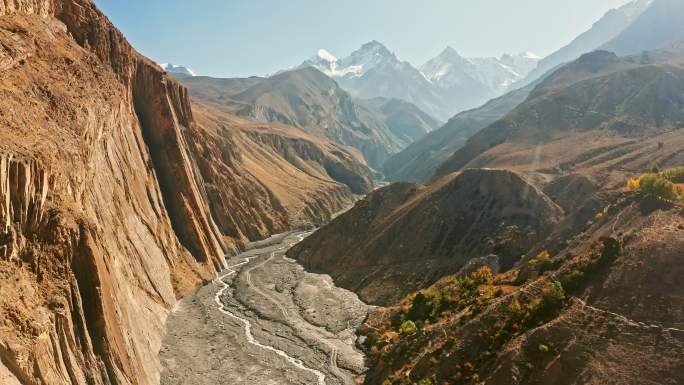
[105, 210]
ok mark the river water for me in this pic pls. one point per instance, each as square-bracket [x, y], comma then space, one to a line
[263, 321]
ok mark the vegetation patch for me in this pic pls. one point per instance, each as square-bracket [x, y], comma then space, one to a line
[667, 184]
[461, 351]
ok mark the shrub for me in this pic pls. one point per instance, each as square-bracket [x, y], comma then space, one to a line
[658, 185]
[483, 276]
[427, 306]
[668, 184]
[674, 175]
[408, 328]
[553, 296]
[543, 262]
[633, 184]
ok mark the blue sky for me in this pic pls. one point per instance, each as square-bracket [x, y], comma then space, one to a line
[229, 38]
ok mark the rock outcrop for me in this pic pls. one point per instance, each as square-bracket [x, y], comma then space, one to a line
[107, 209]
[406, 236]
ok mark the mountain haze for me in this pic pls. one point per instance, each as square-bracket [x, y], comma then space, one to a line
[660, 25]
[604, 30]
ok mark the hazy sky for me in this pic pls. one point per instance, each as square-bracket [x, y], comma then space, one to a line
[255, 37]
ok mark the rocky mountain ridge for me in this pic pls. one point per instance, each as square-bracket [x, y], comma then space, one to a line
[577, 141]
[442, 87]
[613, 23]
[420, 160]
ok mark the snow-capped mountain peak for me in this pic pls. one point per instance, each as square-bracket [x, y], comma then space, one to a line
[177, 69]
[443, 86]
[357, 64]
[369, 56]
[450, 69]
[326, 56]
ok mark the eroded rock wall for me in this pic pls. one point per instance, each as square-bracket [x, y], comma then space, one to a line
[107, 189]
[91, 256]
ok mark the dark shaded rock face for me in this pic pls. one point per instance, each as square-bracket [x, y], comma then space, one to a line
[406, 236]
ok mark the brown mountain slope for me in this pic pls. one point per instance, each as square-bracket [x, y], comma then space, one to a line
[607, 309]
[109, 183]
[406, 236]
[306, 99]
[265, 179]
[419, 161]
[84, 262]
[598, 112]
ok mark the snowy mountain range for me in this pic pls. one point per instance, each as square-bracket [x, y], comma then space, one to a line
[450, 69]
[442, 87]
[177, 69]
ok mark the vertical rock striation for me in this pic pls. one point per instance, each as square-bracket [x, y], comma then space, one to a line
[105, 213]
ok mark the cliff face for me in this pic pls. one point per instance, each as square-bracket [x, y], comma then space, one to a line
[264, 179]
[406, 236]
[89, 247]
[105, 210]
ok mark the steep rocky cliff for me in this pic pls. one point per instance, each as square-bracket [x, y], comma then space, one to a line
[108, 184]
[263, 179]
[406, 236]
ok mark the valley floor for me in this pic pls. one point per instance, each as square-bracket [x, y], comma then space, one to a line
[264, 321]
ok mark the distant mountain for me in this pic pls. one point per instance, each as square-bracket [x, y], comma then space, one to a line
[600, 109]
[419, 161]
[442, 87]
[404, 119]
[314, 103]
[495, 75]
[604, 30]
[177, 69]
[660, 25]
[373, 71]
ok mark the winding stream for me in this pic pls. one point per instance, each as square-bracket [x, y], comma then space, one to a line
[265, 321]
[248, 326]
